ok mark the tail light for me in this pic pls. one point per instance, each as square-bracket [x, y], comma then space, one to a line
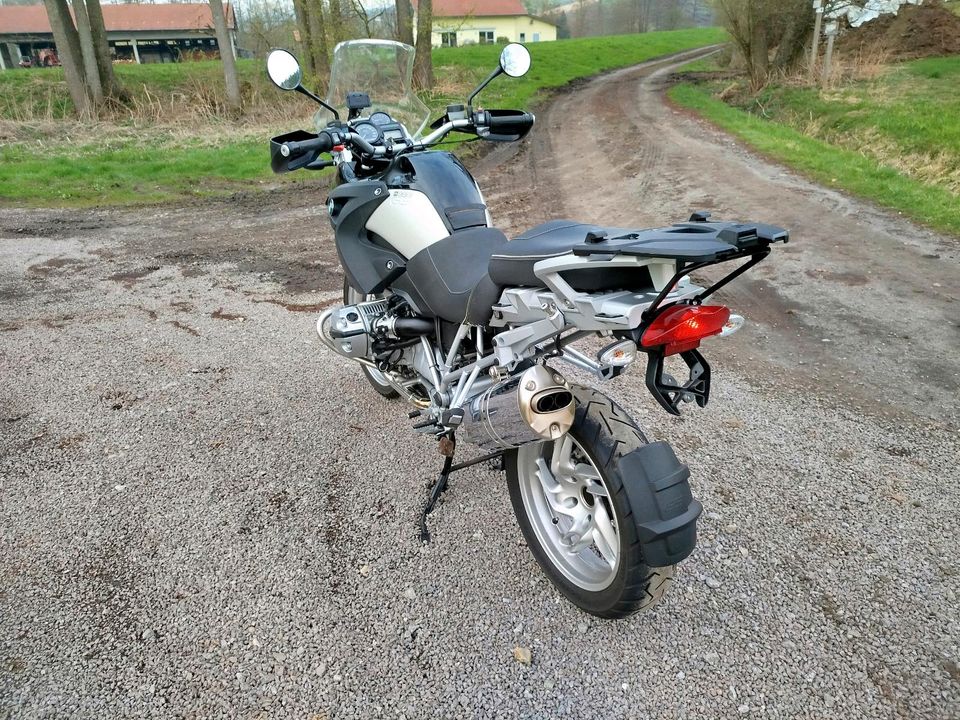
[682, 327]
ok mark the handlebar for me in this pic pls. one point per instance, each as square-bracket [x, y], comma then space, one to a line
[322, 143]
[498, 124]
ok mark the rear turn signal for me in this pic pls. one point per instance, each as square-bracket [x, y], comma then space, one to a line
[682, 327]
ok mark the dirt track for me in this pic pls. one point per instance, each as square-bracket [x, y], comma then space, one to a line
[204, 513]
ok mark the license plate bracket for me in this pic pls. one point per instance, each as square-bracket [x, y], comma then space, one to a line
[667, 391]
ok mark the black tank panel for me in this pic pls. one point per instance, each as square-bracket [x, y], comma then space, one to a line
[446, 182]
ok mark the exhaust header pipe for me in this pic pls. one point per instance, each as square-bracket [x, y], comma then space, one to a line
[533, 406]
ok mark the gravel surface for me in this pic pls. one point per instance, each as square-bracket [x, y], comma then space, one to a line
[204, 513]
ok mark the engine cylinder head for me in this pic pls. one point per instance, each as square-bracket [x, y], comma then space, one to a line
[533, 406]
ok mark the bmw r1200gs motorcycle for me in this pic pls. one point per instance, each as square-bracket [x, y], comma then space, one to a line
[442, 310]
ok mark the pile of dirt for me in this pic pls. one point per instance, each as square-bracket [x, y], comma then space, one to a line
[917, 31]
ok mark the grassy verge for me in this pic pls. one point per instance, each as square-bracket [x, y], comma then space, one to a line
[833, 165]
[176, 146]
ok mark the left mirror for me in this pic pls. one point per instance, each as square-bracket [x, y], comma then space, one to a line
[284, 70]
[515, 60]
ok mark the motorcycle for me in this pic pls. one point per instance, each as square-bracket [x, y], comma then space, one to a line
[442, 310]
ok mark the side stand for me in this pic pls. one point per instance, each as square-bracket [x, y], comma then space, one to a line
[447, 447]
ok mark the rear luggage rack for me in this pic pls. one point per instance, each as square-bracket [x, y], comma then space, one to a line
[696, 242]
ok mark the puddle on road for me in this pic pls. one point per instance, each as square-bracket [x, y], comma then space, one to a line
[129, 278]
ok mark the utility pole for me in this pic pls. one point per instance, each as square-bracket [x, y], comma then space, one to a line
[814, 44]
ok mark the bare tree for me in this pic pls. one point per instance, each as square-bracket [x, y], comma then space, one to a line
[318, 41]
[302, 13]
[90, 70]
[71, 56]
[423, 61]
[404, 21]
[98, 33]
[336, 25]
[226, 55]
[756, 26]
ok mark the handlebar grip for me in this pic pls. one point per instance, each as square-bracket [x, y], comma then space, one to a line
[494, 121]
[322, 143]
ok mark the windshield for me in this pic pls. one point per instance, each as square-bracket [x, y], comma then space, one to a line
[382, 69]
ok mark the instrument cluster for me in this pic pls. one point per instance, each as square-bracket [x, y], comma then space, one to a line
[378, 128]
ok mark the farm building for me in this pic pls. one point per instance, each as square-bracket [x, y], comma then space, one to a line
[135, 33]
[469, 22]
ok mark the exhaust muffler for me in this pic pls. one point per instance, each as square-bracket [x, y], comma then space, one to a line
[533, 406]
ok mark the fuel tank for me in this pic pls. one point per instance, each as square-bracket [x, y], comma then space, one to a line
[383, 221]
[431, 196]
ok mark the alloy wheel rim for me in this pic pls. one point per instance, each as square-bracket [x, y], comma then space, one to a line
[568, 507]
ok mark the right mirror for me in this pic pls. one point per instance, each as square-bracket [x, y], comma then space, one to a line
[284, 70]
[515, 60]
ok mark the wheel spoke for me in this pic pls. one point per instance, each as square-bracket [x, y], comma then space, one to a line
[560, 462]
[580, 535]
[568, 502]
[586, 471]
[605, 535]
[553, 491]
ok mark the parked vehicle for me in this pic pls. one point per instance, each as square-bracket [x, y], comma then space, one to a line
[47, 57]
[442, 310]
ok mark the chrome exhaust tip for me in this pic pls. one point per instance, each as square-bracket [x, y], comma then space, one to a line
[534, 406]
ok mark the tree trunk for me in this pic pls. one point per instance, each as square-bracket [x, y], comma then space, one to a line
[423, 62]
[302, 14]
[336, 21]
[226, 55]
[98, 32]
[90, 70]
[759, 61]
[404, 21]
[792, 40]
[318, 41]
[71, 56]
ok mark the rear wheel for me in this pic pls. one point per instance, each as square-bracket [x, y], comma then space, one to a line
[375, 377]
[571, 505]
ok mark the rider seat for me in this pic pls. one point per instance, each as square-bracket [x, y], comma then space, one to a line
[512, 264]
[451, 275]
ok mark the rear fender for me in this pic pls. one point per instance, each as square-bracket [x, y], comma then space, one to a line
[664, 510]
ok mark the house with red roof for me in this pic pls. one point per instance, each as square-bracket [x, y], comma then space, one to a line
[136, 33]
[469, 22]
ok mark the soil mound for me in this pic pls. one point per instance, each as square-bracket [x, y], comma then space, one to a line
[917, 31]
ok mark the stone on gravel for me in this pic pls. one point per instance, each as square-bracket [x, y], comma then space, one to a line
[522, 655]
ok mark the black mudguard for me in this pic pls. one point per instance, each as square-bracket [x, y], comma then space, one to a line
[664, 510]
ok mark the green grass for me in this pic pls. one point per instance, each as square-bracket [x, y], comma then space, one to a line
[41, 93]
[556, 64]
[832, 165]
[908, 118]
[129, 172]
[139, 162]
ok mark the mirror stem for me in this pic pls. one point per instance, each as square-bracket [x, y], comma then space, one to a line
[481, 86]
[303, 91]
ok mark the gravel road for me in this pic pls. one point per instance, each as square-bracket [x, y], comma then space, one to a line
[203, 513]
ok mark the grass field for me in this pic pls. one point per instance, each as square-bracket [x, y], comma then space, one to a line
[894, 139]
[41, 93]
[176, 145]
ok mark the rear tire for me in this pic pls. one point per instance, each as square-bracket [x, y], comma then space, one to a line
[375, 378]
[603, 580]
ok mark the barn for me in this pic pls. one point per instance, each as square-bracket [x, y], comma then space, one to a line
[135, 33]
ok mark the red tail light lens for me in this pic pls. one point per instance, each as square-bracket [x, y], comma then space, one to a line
[682, 327]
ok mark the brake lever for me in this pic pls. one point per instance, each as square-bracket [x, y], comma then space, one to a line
[319, 164]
